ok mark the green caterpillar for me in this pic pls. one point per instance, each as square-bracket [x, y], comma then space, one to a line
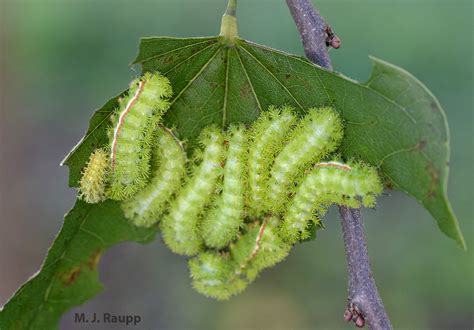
[180, 226]
[268, 135]
[222, 222]
[316, 135]
[214, 275]
[222, 275]
[92, 186]
[145, 208]
[329, 183]
[131, 136]
[261, 247]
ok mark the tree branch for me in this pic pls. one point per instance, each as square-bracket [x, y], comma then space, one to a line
[365, 304]
[364, 300]
[315, 34]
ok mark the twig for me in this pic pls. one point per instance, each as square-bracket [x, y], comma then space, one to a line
[313, 31]
[365, 305]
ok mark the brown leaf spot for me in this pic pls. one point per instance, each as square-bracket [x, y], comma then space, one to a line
[71, 276]
[434, 182]
[421, 145]
[389, 185]
[434, 106]
[94, 259]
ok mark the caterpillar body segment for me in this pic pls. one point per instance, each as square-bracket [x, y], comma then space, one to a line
[316, 135]
[92, 186]
[180, 226]
[145, 208]
[222, 275]
[222, 222]
[267, 137]
[260, 247]
[132, 134]
[214, 275]
[351, 185]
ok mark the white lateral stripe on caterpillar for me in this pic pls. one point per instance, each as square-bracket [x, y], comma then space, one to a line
[334, 164]
[258, 239]
[131, 136]
[121, 119]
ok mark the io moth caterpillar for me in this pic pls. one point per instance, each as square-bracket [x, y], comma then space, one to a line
[92, 185]
[169, 160]
[214, 275]
[220, 275]
[180, 226]
[316, 135]
[132, 133]
[268, 134]
[222, 222]
[329, 183]
[260, 247]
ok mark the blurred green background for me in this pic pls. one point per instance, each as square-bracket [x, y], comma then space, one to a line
[62, 59]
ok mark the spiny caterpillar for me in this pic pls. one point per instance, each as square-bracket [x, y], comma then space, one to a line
[261, 247]
[169, 165]
[221, 224]
[180, 226]
[131, 136]
[94, 178]
[221, 275]
[316, 135]
[329, 183]
[268, 135]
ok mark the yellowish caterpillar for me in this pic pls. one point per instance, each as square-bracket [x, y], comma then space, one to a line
[268, 134]
[132, 133]
[316, 135]
[261, 247]
[214, 275]
[92, 185]
[329, 183]
[221, 224]
[169, 159]
[220, 275]
[180, 226]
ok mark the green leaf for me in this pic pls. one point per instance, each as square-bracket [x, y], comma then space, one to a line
[69, 274]
[392, 122]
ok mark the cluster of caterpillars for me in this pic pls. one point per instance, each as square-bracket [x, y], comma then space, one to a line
[244, 199]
